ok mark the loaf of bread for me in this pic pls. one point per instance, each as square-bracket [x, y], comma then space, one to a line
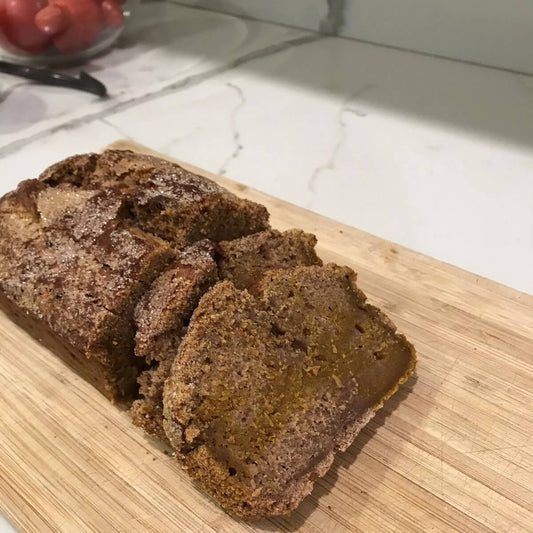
[227, 339]
[80, 246]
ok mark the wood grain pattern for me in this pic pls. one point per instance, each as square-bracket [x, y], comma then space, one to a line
[452, 451]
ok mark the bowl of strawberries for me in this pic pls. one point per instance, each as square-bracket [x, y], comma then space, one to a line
[48, 32]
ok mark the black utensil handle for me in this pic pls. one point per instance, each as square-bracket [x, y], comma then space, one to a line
[85, 82]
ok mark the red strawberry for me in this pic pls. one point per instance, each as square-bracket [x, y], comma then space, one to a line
[51, 20]
[18, 26]
[113, 15]
[78, 22]
[3, 16]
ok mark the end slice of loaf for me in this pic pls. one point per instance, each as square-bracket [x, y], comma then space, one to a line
[77, 294]
[271, 381]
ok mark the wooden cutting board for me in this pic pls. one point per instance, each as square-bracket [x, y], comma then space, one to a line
[452, 451]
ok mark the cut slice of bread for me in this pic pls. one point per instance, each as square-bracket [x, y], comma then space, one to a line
[163, 313]
[244, 261]
[161, 318]
[271, 381]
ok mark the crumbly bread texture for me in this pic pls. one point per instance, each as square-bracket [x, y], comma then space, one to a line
[243, 261]
[80, 245]
[271, 381]
[164, 311]
[161, 317]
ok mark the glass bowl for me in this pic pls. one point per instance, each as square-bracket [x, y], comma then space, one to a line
[51, 56]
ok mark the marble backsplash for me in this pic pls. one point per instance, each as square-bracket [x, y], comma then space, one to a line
[496, 33]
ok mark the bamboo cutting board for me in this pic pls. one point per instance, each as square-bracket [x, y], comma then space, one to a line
[452, 451]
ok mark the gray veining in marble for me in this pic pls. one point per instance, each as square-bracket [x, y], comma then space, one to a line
[184, 83]
[347, 107]
[334, 20]
[307, 14]
[121, 134]
[234, 128]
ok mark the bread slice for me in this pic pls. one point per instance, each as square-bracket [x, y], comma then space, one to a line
[164, 311]
[166, 200]
[271, 381]
[161, 317]
[244, 261]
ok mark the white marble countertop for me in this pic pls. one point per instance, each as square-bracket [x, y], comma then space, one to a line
[430, 153]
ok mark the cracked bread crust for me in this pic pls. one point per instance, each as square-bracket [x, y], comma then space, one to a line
[81, 244]
[81, 291]
[167, 200]
[269, 383]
